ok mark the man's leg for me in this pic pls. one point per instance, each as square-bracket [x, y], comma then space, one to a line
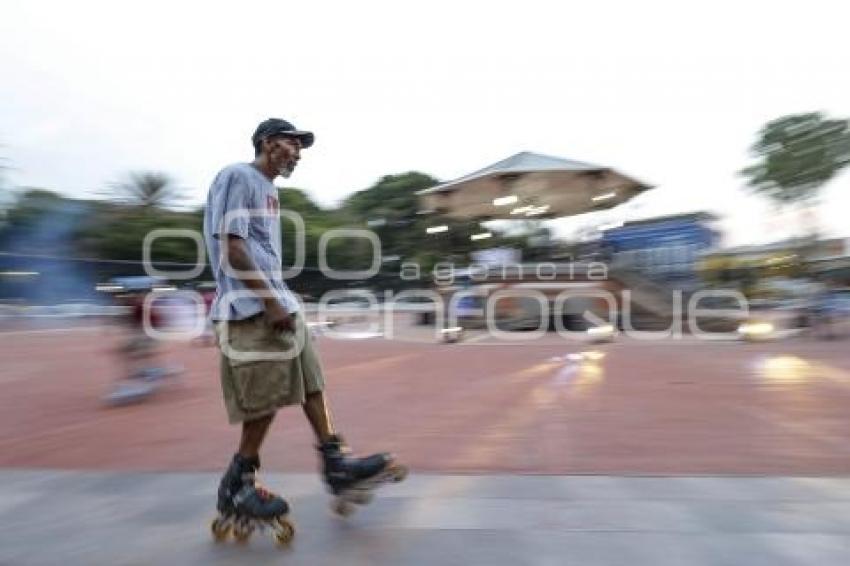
[318, 413]
[237, 492]
[253, 433]
[339, 469]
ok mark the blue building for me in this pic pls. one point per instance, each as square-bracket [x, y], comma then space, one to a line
[665, 249]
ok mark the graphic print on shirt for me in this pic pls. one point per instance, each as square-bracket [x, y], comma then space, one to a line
[272, 205]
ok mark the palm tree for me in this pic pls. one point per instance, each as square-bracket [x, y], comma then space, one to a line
[148, 189]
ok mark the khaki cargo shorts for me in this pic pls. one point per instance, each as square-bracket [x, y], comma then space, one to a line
[263, 370]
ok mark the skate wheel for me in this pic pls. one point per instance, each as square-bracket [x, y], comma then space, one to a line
[284, 532]
[360, 497]
[220, 529]
[342, 507]
[242, 532]
[399, 473]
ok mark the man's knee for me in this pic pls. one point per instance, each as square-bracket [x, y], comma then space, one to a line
[258, 422]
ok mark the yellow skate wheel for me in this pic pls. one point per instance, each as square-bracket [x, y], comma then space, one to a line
[399, 473]
[284, 531]
[220, 529]
[242, 531]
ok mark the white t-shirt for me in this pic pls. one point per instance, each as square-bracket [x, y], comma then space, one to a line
[244, 203]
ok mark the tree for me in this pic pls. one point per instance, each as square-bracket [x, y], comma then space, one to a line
[389, 208]
[148, 189]
[797, 154]
[296, 200]
[30, 205]
[117, 233]
[316, 221]
[393, 197]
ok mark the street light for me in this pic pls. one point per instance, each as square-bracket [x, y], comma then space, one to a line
[504, 201]
[537, 210]
[481, 236]
[437, 229]
[606, 196]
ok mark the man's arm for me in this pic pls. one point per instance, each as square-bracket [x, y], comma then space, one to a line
[237, 253]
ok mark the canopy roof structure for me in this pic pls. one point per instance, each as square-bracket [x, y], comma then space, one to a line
[531, 185]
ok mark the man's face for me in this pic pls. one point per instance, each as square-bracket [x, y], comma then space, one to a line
[284, 153]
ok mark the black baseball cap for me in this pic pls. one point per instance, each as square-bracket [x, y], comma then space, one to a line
[278, 127]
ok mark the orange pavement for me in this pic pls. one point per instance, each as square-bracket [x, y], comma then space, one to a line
[644, 408]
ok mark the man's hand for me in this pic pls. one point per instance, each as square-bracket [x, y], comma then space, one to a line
[277, 317]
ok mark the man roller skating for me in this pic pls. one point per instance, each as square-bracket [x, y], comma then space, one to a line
[267, 356]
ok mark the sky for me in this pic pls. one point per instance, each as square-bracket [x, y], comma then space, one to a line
[672, 93]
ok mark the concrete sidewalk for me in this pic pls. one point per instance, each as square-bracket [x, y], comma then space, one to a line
[63, 517]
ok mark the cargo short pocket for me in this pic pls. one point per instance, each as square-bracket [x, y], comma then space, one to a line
[261, 386]
[251, 341]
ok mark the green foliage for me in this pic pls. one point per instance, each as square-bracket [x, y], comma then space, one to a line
[119, 233]
[29, 206]
[393, 197]
[797, 154]
[297, 200]
[316, 222]
[389, 208]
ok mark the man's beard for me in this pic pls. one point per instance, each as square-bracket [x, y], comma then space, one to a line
[286, 170]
